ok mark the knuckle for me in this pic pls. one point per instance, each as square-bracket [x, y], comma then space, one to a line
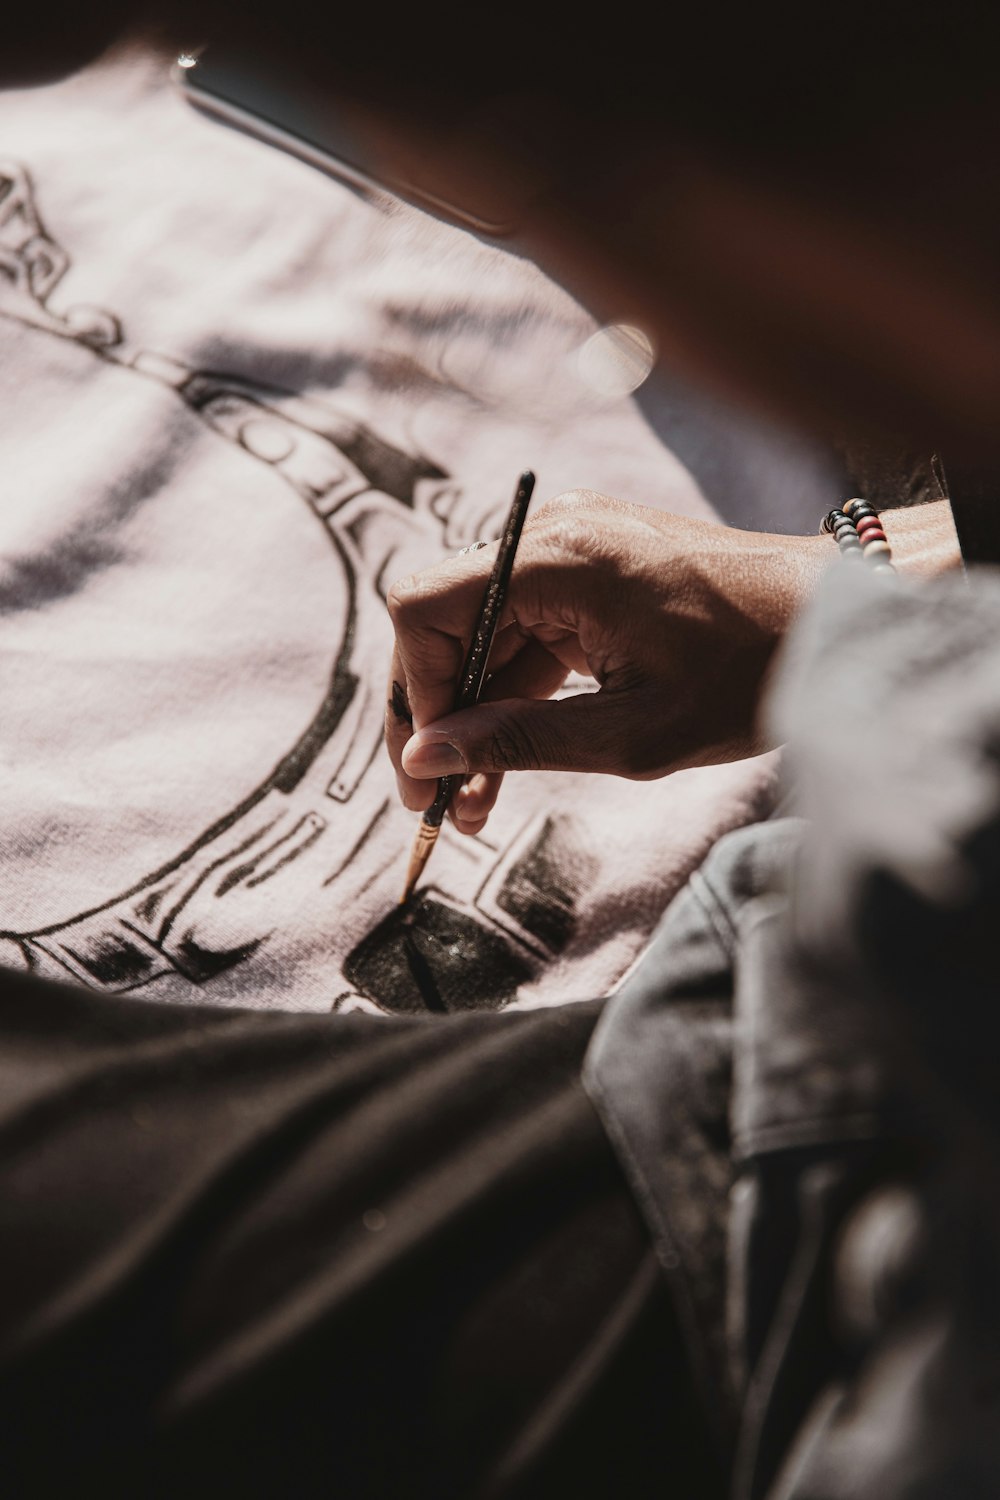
[575, 534]
[566, 503]
[581, 524]
[401, 596]
[563, 514]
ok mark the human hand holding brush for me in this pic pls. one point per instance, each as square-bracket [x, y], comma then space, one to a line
[676, 619]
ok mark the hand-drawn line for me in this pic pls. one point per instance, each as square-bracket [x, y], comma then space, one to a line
[377, 874]
[34, 264]
[436, 956]
[271, 426]
[356, 848]
[306, 831]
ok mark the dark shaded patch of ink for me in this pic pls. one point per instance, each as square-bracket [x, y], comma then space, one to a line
[387, 467]
[399, 705]
[119, 960]
[198, 963]
[541, 889]
[429, 957]
[421, 972]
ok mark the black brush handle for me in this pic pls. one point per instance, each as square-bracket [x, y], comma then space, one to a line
[470, 682]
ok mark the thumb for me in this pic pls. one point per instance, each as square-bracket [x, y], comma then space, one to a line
[587, 732]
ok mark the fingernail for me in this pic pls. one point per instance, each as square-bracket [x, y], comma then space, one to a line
[466, 803]
[432, 757]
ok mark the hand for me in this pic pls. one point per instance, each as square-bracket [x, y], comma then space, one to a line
[677, 620]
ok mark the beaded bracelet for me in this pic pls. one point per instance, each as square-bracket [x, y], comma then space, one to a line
[858, 532]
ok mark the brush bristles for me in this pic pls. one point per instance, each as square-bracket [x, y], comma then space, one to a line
[423, 844]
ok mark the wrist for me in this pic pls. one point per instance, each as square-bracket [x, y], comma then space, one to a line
[923, 539]
[802, 560]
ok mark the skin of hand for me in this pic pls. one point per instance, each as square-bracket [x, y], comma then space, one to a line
[677, 620]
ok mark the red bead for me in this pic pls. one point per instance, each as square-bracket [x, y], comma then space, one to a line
[870, 523]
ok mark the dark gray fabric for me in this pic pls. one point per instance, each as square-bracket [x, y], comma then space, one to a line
[973, 496]
[890, 474]
[846, 1211]
[659, 1072]
[289, 1256]
[890, 699]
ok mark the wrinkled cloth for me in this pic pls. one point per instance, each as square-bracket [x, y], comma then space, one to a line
[239, 399]
[269, 1255]
[801, 1077]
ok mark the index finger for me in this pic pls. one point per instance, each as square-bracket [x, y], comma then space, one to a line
[434, 616]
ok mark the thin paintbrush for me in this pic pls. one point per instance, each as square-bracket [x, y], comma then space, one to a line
[470, 682]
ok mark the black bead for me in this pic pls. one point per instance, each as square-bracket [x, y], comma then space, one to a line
[831, 518]
[860, 511]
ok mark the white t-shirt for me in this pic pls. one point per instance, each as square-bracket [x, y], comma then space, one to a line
[237, 400]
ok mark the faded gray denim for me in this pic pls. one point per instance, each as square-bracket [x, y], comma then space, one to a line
[801, 1079]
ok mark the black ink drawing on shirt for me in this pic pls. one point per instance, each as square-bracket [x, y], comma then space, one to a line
[199, 914]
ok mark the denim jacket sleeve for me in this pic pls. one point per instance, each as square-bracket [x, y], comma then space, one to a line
[873, 1366]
